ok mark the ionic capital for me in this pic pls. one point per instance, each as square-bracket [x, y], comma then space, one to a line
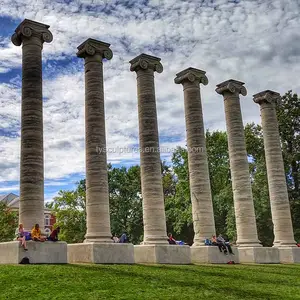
[28, 29]
[144, 62]
[91, 47]
[232, 86]
[267, 97]
[193, 75]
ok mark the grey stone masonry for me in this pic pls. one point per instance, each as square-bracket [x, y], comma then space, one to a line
[152, 190]
[31, 35]
[203, 215]
[280, 207]
[97, 198]
[239, 166]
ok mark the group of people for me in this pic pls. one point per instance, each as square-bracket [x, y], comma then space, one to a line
[35, 235]
[222, 243]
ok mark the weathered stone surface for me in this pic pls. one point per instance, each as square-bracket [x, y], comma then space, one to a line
[101, 253]
[97, 200]
[203, 216]
[239, 166]
[259, 255]
[162, 254]
[280, 206]
[38, 253]
[212, 255]
[289, 255]
[153, 199]
[31, 35]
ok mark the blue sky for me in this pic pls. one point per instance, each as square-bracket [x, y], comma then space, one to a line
[257, 42]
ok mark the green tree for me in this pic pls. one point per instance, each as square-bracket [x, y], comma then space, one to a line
[69, 209]
[8, 223]
[288, 114]
[126, 202]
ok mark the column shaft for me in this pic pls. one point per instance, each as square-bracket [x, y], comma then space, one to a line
[200, 190]
[97, 199]
[31, 210]
[239, 166]
[97, 194]
[280, 208]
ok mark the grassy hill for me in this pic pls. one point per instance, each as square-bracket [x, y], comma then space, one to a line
[149, 282]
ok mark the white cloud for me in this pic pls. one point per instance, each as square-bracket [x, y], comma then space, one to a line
[253, 41]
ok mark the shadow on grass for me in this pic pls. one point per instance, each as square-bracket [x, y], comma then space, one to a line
[170, 281]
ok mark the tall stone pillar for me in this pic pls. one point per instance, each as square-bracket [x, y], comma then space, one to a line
[98, 247]
[151, 178]
[155, 248]
[280, 207]
[32, 35]
[239, 166]
[203, 216]
[97, 199]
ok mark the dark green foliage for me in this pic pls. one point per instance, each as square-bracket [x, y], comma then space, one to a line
[8, 223]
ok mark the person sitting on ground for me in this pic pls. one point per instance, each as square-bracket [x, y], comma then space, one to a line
[298, 245]
[54, 235]
[20, 236]
[171, 240]
[36, 234]
[123, 238]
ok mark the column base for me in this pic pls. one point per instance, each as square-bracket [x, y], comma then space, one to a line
[38, 252]
[162, 254]
[101, 253]
[289, 255]
[212, 255]
[259, 255]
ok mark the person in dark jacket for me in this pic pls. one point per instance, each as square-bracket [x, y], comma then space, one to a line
[54, 235]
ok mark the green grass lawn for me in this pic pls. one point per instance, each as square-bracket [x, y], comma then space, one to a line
[149, 282]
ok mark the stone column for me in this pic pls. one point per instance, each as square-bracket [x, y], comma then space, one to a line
[280, 207]
[97, 198]
[203, 216]
[152, 190]
[239, 166]
[31, 35]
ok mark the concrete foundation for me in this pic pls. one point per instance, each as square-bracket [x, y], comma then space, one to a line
[101, 253]
[212, 255]
[38, 253]
[162, 254]
[259, 255]
[289, 255]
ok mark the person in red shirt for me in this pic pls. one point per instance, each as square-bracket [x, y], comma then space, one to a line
[171, 240]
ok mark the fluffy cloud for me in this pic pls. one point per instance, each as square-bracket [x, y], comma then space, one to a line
[253, 41]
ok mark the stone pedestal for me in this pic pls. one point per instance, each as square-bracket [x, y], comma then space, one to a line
[212, 255]
[101, 253]
[259, 255]
[289, 255]
[162, 254]
[38, 253]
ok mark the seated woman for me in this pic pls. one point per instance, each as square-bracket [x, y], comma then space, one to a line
[20, 236]
[36, 234]
[171, 240]
[54, 235]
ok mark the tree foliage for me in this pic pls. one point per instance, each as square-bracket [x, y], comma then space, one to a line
[8, 223]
